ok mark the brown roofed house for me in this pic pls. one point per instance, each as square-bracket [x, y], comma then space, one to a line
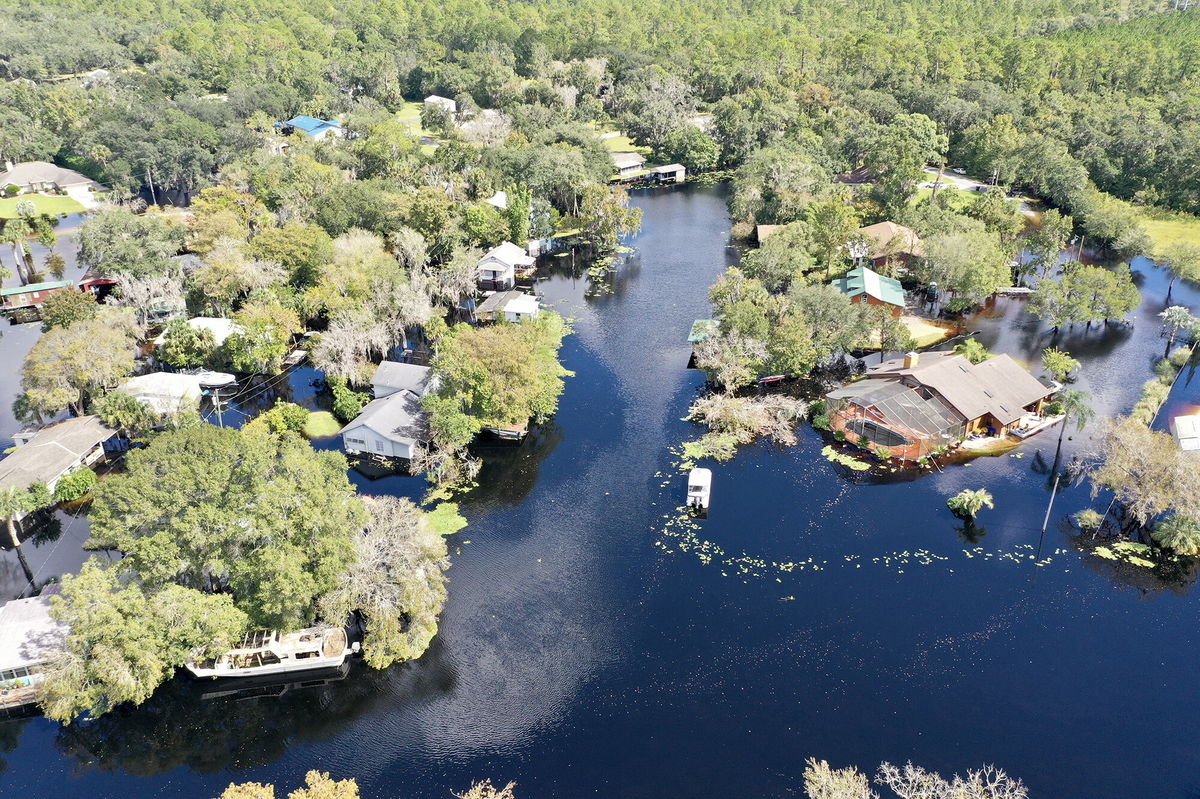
[921, 402]
[891, 243]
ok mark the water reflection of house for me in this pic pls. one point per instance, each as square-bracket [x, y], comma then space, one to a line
[29, 640]
[919, 403]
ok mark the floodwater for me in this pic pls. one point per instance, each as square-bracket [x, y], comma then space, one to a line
[595, 645]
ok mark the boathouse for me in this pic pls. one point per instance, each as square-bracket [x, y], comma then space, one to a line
[509, 306]
[671, 173]
[922, 402]
[29, 640]
[864, 285]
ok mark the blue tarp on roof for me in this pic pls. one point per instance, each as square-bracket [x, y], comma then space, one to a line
[312, 125]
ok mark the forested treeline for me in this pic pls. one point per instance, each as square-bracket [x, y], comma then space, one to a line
[1109, 85]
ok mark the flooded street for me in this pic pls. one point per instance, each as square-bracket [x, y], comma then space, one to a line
[594, 645]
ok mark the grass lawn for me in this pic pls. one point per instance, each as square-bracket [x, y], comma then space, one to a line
[624, 144]
[1167, 227]
[410, 116]
[923, 331]
[321, 424]
[53, 204]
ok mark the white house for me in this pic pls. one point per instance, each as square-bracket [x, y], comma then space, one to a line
[512, 306]
[498, 269]
[391, 377]
[29, 640]
[442, 102]
[389, 427]
[164, 392]
[53, 452]
[671, 173]
[628, 163]
[42, 176]
[1186, 430]
[221, 329]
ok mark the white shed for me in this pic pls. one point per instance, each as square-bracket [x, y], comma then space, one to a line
[511, 306]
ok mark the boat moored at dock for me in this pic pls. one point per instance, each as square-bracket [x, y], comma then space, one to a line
[266, 652]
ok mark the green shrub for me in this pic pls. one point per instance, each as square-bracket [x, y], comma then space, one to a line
[347, 403]
[817, 408]
[285, 417]
[821, 422]
[12, 190]
[74, 485]
[840, 435]
[883, 452]
[1088, 519]
[1053, 408]
[1179, 357]
[864, 442]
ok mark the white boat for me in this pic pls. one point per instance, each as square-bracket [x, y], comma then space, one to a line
[265, 652]
[699, 487]
[215, 379]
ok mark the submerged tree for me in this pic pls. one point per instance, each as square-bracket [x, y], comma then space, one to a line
[1178, 533]
[968, 502]
[973, 350]
[1177, 319]
[69, 365]
[1058, 363]
[1074, 408]
[1146, 471]
[396, 581]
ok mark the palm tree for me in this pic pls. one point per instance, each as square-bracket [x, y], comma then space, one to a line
[1175, 319]
[1178, 533]
[1074, 405]
[13, 502]
[967, 503]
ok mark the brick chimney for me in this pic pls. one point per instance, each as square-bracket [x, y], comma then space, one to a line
[911, 359]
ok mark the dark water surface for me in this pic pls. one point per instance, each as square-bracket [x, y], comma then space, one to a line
[591, 648]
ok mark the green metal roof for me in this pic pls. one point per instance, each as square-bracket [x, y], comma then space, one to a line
[54, 284]
[861, 280]
[702, 330]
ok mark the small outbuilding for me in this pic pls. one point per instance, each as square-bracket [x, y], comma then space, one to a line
[511, 306]
[1186, 430]
[498, 269]
[165, 392]
[864, 285]
[671, 173]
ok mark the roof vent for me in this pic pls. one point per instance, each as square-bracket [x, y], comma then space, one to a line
[989, 394]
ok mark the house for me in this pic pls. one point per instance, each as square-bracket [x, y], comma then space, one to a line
[1186, 430]
[671, 173]
[33, 295]
[221, 329]
[864, 285]
[96, 284]
[390, 427]
[42, 176]
[628, 164]
[511, 306]
[49, 454]
[922, 402]
[29, 640]
[499, 267]
[391, 377]
[313, 128]
[445, 103]
[888, 242]
[165, 392]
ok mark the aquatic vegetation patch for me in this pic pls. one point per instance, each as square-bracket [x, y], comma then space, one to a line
[850, 462]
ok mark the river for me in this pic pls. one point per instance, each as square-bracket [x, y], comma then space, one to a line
[593, 645]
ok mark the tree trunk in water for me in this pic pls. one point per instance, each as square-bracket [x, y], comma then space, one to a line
[12, 531]
[25, 568]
